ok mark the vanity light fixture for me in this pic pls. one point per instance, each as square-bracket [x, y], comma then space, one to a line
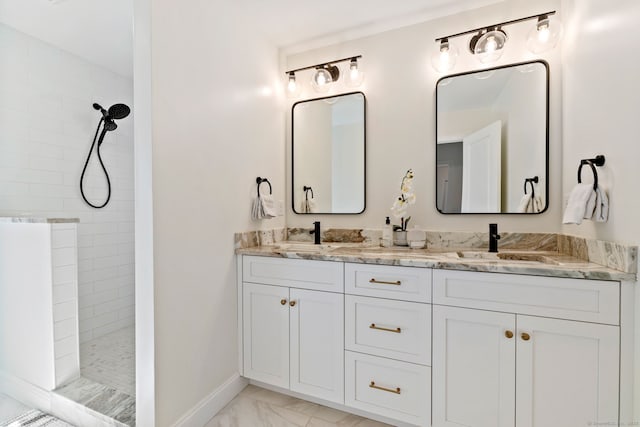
[488, 43]
[545, 35]
[354, 77]
[293, 88]
[445, 59]
[327, 73]
[324, 75]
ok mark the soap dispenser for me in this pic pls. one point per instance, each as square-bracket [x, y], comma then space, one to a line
[387, 234]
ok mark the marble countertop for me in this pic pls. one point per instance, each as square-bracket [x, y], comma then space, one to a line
[536, 263]
[32, 220]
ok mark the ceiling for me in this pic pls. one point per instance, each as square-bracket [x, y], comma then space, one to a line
[98, 31]
[102, 32]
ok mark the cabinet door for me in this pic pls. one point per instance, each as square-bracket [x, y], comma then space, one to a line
[265, 330]
[567, 373]
[473, 368]
[317, 344]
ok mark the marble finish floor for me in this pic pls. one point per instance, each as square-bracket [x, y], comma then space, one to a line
[10, 409]
[110, 360]
[258, 407]
[102, 399]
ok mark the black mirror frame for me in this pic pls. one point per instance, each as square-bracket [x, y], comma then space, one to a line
[546, 206]
[364, 190]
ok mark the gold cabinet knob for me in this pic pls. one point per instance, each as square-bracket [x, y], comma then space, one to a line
[525, 336]
[508, 334]
[292, 303]
[283, 301]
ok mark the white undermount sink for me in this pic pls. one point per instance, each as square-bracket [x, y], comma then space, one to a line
[507, 256]
[306, 246]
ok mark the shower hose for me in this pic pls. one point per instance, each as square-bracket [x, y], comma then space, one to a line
[86, 163]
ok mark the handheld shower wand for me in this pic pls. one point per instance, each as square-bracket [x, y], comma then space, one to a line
[107, 121]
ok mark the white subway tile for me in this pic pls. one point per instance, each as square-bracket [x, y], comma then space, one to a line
[67, 369]
[46, 125]
[64, 311]
[64, 328]
[99, 298]
[64, 256]
[63, 239]
[65, 346]
[65, 292]
[65, 274]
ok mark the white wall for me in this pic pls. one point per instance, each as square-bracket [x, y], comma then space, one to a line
[602, 109]
[601, 116]
[46, 127]
[217, 124]
[400, 90]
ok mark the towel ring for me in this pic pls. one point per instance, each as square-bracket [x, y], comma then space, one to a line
[306, 192]
[593, 169]
[260, 181]
[530, 181]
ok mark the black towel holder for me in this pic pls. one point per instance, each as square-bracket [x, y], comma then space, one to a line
[597, 161]
[260, 181]
[306, 192]
[530, 181]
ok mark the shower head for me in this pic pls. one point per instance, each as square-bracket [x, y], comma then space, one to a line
[115, 112]
[110, 125]
[118, 111]
[98, 107]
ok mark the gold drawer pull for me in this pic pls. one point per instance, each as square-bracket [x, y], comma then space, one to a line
[390, 390]
[508, 334]
[396, 330]
[283, 301]
[292, 303]
[382, 282]
[525, 336]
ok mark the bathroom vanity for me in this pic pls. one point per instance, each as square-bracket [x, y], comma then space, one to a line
[444, 339]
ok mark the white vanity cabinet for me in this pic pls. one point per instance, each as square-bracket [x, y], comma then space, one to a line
[388, 341]
[492, 367]
[294, 338]
[413, 346]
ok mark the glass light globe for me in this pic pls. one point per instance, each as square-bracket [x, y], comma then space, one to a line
[444, 59]
[354, 76]
[544, 35]
[293, 87]
[321, 79]
[490, 46]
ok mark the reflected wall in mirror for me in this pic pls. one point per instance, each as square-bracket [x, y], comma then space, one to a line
[493, 140]
[328, 155]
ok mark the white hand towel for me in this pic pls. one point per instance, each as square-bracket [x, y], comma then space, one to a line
[601, 212]
[525, 204]
[256, 209]
[582, 201]
[308, 206]
[537, 204]
[268, 207]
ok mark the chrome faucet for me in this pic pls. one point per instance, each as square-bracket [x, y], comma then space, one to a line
[316, 232]
[493, 237]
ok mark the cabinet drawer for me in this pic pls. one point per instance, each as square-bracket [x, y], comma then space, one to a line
[390, 388]
[574, 299]
[403, 283]
[396, 329]
[294, 273]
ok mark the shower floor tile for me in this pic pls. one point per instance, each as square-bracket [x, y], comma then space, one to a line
[110, 360]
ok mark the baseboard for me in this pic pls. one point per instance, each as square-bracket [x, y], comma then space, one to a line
[208, 407]
[25, 392]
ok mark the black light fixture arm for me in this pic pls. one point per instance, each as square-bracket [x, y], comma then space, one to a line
[501, 24]
[324, 64]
